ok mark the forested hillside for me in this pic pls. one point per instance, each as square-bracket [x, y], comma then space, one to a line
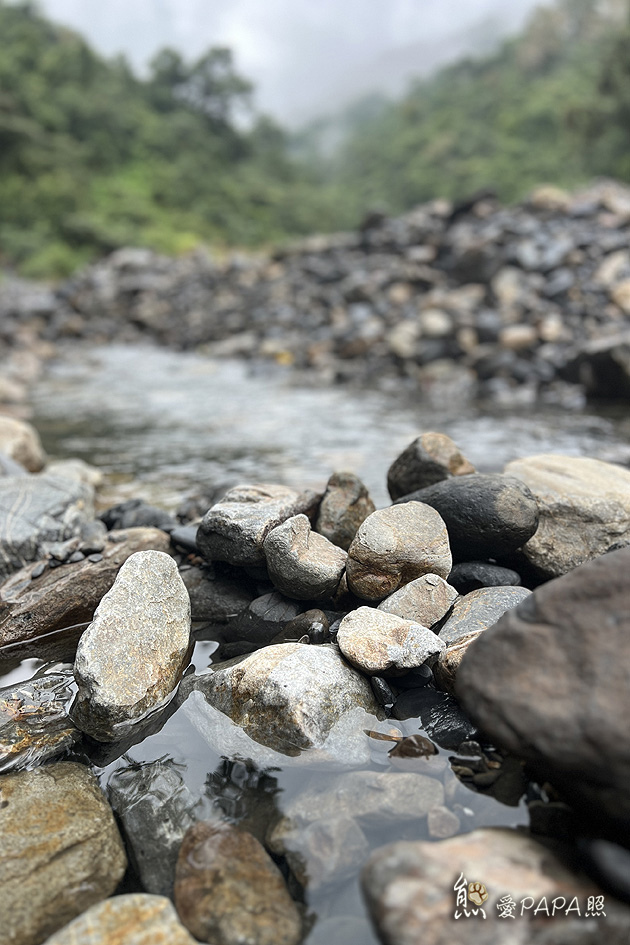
[92, 157]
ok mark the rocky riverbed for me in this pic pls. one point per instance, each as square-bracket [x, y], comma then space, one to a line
[513, 304]
[304, 716]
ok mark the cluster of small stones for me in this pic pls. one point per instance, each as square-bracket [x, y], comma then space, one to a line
[482, 298]
[484, 614]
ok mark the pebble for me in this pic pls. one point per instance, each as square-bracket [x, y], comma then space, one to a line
[344, 506]
[394, 546]
[380, 644]
[132, 919]
[263, 619]
[301, 563]
[486, 515]
[228, 890]
[431, 458]
[426, 600]
[134, 652]
[479, 610]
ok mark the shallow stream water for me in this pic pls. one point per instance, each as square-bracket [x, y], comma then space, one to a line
[160, 423]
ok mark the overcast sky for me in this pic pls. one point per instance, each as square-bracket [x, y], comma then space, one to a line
[304, 56]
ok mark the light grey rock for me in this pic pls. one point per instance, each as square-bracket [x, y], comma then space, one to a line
[235, 528]
[383, 644]
[431, 458]
[549, 682]
[133, 654]
[61, 851]
[345, 505]
[155, 809]
[323, 852]
[584, 509]
[34, 724]
[36, 511]
[301, 563]
[290, 697]
[20, 441]
[133, 919]
[442, 822]
[394, 546]
[228, 890]
[479, 610]
[409, 892]
[425, 600]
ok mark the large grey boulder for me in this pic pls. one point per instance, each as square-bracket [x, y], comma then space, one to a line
[36, 511]
[584, 509]
[132, 919]
[301, 563]
[409, 889]
[133, 654]
[549, 682]
[394, 546]
[61, 851]
[383, 644]
[235, 528]
[479, 610]
[431, 458]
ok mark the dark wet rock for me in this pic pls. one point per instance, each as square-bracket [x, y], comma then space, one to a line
[263, 619]
[235, 528]
[383, 644]
[185, 537]
[302, 563]
[313, 623]
[136, 513]
[20, 442]
[345, 505]
[486, 515]
[446, 668]
[404, 887]
[431, 458]
[479, 610]
[394, 546]
[135, 919]
[549, 683]
[133, 654]
[608, 864]
[471, 575]
[229, 890]
[382, 690]
[216, 597]
[289, 697]
[440, 716]
[34, 724]
[61, 850]
[322, 831]
[243, 794]
[584, 509]
[67, 596]
[602, 366]
[155, 809]
[35, 511]
[426, 600]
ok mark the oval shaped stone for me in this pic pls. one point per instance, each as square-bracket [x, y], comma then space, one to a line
[301, 563]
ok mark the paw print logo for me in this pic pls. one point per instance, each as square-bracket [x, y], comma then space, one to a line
[477, 893]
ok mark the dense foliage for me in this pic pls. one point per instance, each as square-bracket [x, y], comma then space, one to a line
[92, 157]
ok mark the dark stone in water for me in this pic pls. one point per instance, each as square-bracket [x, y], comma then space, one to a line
[263, 619]
[471, 575]
[439, 714]
[135, 513]
[185, 536]
[382, 691]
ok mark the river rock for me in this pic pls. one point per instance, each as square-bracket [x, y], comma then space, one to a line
[155, 809]
[439, 714]
[290, 696]
[382, 644]
[584, 509]
[61, 850]
[20, 441]
[431, 458]
[136, 513]
[69, 595]
[302, 563]
[425, 601]
[479, 610]
[446, 668]
[34, 724]
[263, 619]
[486, 515]
[471, 575]
[235, 528]
[345, 505]
[228, 890]
[35, 511]
[322, 853]
[133, 919]
[409, 891]
[394, 546]
[215, 597]
[133, 654]
[549, 683]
